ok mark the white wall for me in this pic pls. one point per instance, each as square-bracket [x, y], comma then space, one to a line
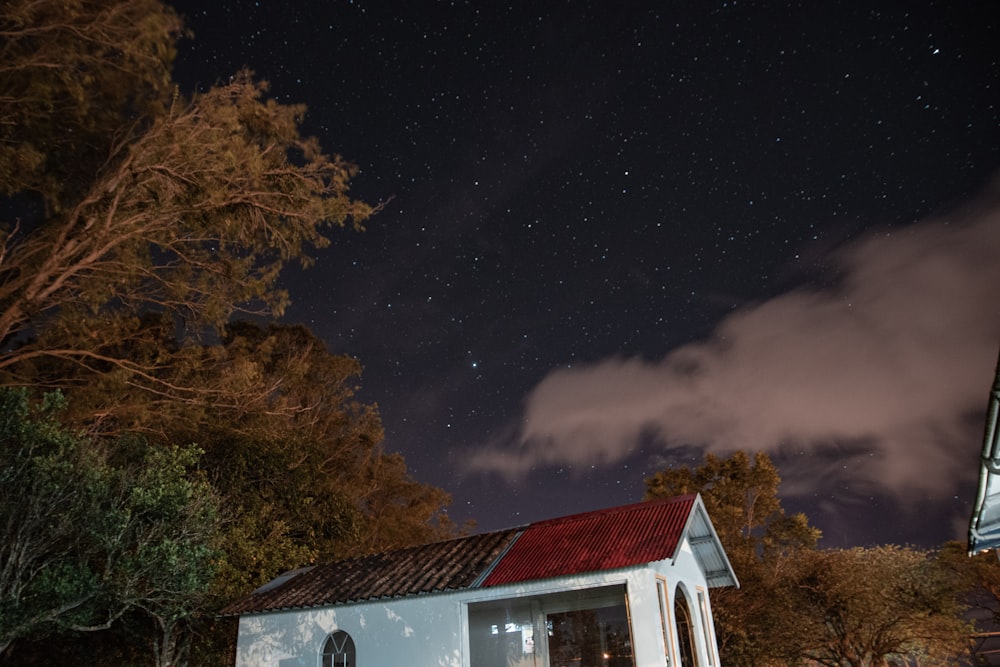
[411, 631]
[429, 631]
[685, 573]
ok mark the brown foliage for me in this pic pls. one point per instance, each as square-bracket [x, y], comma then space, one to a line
[799, 605]
[134, 199]
[148, 221]
[73, 75]
[194, 217]
[762, 542]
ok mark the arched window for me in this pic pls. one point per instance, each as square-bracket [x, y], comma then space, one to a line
[338, 651]
[685, 630]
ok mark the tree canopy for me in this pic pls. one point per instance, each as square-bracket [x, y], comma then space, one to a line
[741, 496]
[138, 225]
[90, 533]
[74, 75]
[136, 199]
[877, 606]
[799, 604]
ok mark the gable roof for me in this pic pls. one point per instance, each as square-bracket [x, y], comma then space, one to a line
[589, 542]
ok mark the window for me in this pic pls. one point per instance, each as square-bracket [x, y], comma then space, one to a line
[583, 628]
[705, 625]
[502, 634]
[685, 630]
[338, 651]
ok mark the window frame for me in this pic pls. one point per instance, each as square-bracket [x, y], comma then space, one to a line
[347, 643]
[667, 627]
[682, 601]
[704, 610]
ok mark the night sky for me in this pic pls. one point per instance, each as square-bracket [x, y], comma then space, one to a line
[623, 234]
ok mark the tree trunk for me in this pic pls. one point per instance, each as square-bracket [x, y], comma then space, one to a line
[171, 644]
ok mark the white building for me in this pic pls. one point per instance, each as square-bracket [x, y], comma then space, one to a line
[622, 587]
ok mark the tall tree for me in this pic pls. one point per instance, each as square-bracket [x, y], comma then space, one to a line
[141, 223]
[763, 544]
[741, 496]
[145, 202]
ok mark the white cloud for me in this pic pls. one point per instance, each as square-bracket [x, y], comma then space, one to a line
[897, 354]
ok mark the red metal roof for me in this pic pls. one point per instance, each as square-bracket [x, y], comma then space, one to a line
[602, 540]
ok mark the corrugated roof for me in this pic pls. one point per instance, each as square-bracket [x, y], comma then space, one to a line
[602, 540]
[593, 541]
[442, 566]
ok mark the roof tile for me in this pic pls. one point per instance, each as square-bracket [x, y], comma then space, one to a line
[442, 566]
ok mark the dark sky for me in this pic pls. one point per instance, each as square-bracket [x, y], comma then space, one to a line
[622, 234]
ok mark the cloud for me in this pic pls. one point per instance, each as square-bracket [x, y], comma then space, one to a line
[897, 355]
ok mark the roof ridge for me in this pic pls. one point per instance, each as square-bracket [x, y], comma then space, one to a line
[617, 509]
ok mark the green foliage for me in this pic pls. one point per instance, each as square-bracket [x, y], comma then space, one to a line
[89, 533]
[50, 486]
